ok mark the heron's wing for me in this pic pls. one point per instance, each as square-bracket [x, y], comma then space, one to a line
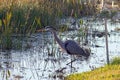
[73, 48]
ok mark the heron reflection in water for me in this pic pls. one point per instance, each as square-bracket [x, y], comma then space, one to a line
[69, 46]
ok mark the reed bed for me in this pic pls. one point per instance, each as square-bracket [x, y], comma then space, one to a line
[43, 12]
[26, 16]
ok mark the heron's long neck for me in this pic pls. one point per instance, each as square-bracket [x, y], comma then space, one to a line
[58, 40]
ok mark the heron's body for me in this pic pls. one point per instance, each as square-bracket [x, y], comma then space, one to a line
[73, 48]
[70, 46]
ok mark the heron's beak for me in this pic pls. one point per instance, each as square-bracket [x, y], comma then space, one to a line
[45, 30]
[41, 30]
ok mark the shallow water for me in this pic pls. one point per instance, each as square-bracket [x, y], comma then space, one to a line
[45, 61]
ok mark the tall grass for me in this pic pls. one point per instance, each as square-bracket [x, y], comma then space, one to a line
[28, 15]
[25, 11]
[5, 37]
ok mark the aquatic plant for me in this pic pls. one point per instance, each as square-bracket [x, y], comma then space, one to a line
[25, 11]
[6, 31]
[27, 16]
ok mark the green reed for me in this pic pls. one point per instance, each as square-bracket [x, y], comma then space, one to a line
[25, 16]
[25, 11]
[6, 31]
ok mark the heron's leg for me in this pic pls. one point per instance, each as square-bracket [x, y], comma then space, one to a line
[72, 60]
[71, 63]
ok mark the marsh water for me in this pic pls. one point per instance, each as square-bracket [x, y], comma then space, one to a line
[45, 61]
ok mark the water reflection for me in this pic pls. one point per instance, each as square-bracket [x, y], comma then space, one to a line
[6, 59]
[45, 61]
[6, 63]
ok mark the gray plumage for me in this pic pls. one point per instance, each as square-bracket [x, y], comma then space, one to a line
[73, 48]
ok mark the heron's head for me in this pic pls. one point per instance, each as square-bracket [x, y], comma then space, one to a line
[49, 28]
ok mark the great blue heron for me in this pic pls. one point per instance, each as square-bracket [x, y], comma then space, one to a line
[70, 46]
